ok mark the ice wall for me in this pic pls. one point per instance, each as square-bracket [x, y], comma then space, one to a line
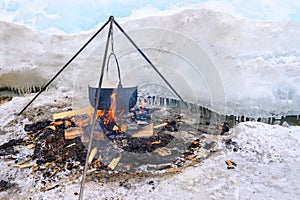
[232, 65]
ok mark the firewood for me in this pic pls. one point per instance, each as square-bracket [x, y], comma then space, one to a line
[82, 111]
[47, 164]
[70, 145]
[55, 172]
[191, 157]
[24, 161]
[68, 123]
[156, 142]
[92, 155]
[44, 189]
[72, 133]
[112, 165]
[57, 123]
[160, 125]
[52, 128]
[30, 146]
[91, 171]
[35, 168]
[25, 165]
[9, 159]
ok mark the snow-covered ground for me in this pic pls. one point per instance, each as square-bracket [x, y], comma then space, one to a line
[255, 67]
[268, 167]
[267, 158]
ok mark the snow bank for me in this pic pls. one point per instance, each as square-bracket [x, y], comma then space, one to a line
[231, 65]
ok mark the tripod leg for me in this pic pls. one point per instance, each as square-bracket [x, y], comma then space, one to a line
[95, 112]
[65, 66]
[149, 61]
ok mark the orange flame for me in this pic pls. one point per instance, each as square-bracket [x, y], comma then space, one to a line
[109, 115]
[113, 106]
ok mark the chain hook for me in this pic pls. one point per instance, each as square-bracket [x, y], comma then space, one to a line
[112, 54]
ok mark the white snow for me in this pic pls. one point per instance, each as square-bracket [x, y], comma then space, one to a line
[268, 167]
[231, 65]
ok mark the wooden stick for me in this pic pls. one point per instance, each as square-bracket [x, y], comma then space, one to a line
[22, 162]
[72, 133]
[112, 165]
[160, 125]
[92, 155]
[87, 110]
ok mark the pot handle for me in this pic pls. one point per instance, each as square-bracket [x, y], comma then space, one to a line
[112, 54]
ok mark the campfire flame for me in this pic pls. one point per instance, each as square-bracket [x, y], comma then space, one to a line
[107, 117]
[113, 106]
[110, 115]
